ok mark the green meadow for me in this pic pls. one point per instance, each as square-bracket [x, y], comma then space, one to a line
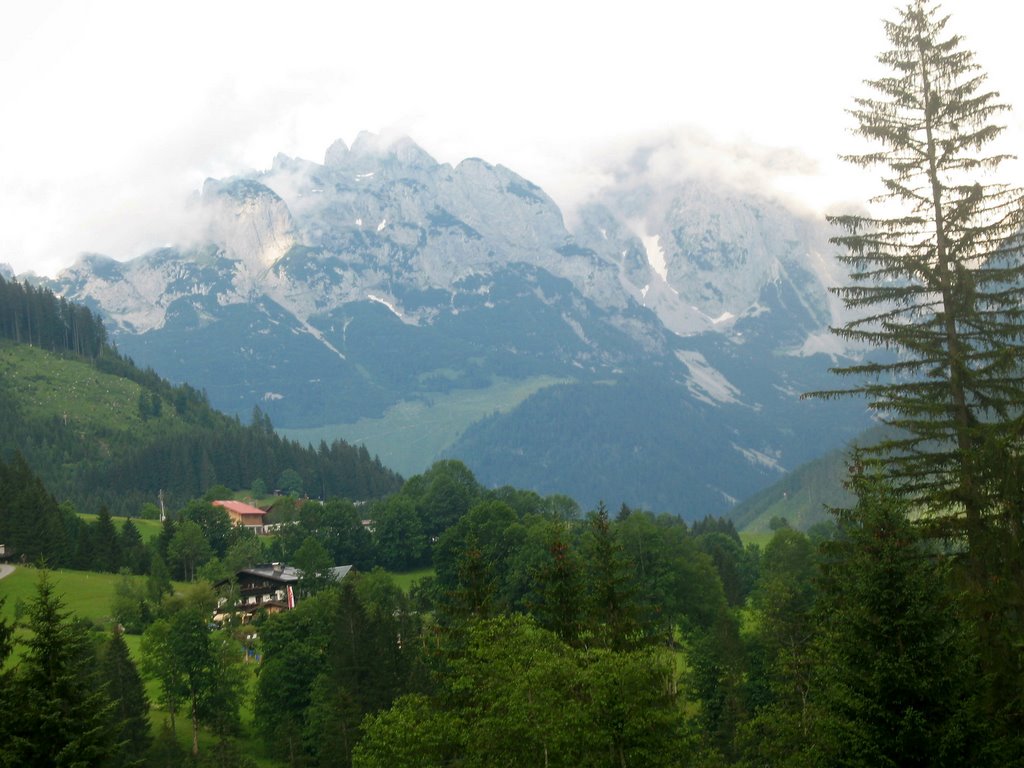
[86, 594]
[405, 580]
[148, 529]
[412, 434]
[50, 386]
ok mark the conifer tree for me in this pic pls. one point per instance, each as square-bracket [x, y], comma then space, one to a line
[938, 283]
[894, 670]
[132, 548]
[609, 591]
[62, 713]
[105, 552]
[939, 278]
[555, 601]
[130, 722]
[31, 522]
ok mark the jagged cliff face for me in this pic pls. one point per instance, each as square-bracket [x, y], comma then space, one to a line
[334, 292]
[373, 219]
[703, 257]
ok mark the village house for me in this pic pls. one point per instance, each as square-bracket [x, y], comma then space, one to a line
[269, 587]
[244, 514]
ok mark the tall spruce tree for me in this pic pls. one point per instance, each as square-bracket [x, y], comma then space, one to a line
[63, 713]
[609, 597]
[895, 675]
[130, 720]
[938, 280]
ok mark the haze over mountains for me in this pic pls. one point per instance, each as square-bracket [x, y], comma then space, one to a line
[653, 355]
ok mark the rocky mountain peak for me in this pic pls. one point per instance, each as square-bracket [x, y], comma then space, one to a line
[250, 222]
[711, 250]
[382, 283]
[336, 154]
[372, 153]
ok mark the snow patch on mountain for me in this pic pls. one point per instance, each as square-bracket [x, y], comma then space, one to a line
[655, 255]
[652, 247]
[316, 334]
[390, 304]
[706, 383]
[824, 342]
[759, 458]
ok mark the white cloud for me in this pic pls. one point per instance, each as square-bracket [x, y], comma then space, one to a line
[116, 111]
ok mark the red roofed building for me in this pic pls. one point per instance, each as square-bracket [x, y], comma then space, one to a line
[241, 513]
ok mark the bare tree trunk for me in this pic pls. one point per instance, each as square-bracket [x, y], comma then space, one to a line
[195, 727]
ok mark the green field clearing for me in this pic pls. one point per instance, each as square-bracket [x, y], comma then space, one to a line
[149, 529]
[406, 580]
[413, 433]
[761, 538]
[73, 391]
[86, 594]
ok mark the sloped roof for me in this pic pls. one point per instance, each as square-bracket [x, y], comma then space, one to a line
[339, 572]
[284, 574]
[239, 507]
[288, 574]
[274, 572]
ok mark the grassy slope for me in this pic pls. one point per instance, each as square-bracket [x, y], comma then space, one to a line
[82, 433]
[412, 434]
[803, 495]
[760, 538]
[404, 581]
[149, 529]
[72, 391]
[86, 594]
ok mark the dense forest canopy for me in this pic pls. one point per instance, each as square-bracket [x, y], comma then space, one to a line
[102, 432]
[30, 315]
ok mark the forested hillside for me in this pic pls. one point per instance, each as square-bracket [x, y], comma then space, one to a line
[543, 637]
[101, 432]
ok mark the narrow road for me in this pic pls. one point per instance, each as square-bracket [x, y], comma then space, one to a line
[6, 570]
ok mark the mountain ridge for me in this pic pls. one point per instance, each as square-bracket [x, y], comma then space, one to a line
[329, 293]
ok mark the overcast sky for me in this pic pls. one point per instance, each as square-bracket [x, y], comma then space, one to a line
[113, 113]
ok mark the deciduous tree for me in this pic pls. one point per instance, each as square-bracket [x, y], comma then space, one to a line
[189, 548]
[196, 669]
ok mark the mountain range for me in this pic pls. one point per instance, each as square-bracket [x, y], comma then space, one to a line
[653, 355]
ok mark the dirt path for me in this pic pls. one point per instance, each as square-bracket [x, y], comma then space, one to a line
[6, 570]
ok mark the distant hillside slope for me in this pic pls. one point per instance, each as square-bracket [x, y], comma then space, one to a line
[802, 496]
[99, 431]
